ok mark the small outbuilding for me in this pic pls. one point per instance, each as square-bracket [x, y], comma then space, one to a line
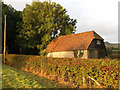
[83, 45]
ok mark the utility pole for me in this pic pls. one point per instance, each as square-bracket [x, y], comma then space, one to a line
[4, 39]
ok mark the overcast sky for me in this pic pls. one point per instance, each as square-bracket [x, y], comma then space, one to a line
[98, 15]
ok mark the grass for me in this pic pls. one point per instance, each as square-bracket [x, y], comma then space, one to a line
[15, 78]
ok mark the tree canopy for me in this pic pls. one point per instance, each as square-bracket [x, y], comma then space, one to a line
[42, 22]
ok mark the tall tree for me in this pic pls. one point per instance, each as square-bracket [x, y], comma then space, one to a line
[43, 21]
[12, 18]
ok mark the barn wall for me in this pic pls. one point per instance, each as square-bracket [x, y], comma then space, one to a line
[68, 54]
[93, 54]
[95, 46]
[96, 54]
[85, 55]
[96, 51]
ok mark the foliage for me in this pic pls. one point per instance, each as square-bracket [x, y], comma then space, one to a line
[76, 53]
[70, 70]
[12, 19]
[43, 21]
[113, 53]
[109, 51]
[80, 54]
[15, 78]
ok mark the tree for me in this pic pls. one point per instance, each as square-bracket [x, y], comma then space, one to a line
[42, 22]
[13, 17]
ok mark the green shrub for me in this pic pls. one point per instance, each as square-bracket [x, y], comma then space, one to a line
[81, 54]
[75, 52]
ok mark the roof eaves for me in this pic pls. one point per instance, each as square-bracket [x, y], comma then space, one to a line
[89, 43]
[97, 35]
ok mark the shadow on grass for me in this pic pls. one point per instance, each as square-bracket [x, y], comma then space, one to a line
[15, 78]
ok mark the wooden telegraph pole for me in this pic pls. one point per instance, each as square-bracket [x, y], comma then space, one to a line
[4, 39]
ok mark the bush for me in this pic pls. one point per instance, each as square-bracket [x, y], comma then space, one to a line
[70, 69]
[75, 52]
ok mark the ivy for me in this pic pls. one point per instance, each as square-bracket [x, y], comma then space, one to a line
[80, 54]
[76, 53]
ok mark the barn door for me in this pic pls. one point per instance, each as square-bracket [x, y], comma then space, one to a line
[93, 54]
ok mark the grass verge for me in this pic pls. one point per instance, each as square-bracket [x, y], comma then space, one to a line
[15, 78]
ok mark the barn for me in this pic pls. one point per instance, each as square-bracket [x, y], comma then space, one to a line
[82, 45]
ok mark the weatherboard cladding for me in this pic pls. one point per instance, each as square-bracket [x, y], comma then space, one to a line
[72, 42]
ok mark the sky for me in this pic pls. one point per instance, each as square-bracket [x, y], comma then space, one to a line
[98, 15]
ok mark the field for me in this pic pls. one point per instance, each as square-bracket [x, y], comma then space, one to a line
[15, 78]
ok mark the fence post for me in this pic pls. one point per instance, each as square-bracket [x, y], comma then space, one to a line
[84, 81]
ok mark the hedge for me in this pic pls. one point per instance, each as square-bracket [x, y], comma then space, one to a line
[71, 70]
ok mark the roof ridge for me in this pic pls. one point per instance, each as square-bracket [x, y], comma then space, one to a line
[86, 32]
[76, 33]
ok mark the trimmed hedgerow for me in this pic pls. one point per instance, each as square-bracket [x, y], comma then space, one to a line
[70, 70]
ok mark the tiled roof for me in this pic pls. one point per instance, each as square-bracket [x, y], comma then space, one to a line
[72, 42]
